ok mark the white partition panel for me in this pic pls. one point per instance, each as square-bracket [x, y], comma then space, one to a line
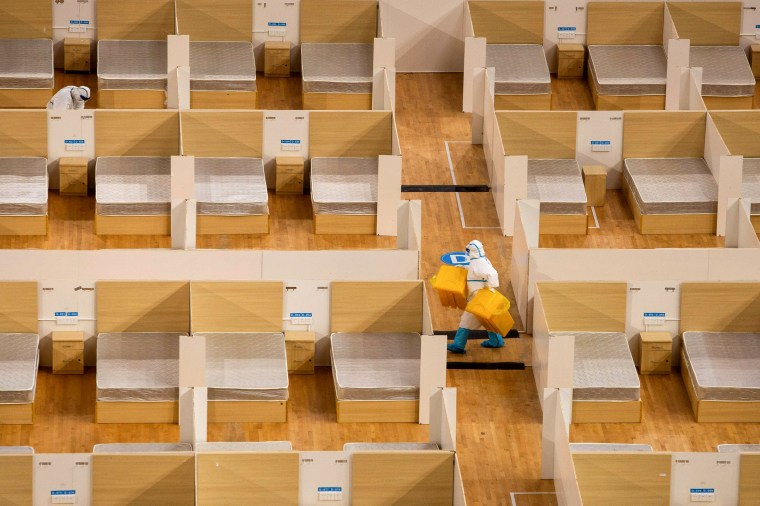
[669, 31]
[524, 239]
[384, 67]
[280, 15]
[653, 297]
[282, 126]
[72, 19]
[56, 472]
[388, 194]
[427, 319]
[193, 414]
[489, 130]
[746, 231]
[717, 471]
[729, 187]
[365, 265]
[70, 133]
[540, 351]
[432, 372]
[474, 58]
[515, 185]
[677, 75]
[715, 147]
[409, 225]
[324, 469]
[601, 126]
[565, 480]
[183, 202]
[310, 296]
[178, 88]
[730, 264]
[443, 418]
[570, 17]
[696, 103]
[177, 52]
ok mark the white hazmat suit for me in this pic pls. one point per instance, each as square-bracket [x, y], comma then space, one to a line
[70, 97]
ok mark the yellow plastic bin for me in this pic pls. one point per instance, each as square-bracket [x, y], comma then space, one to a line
[451, 284]
[492, 309]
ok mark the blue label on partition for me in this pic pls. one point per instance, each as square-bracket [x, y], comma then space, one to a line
[757, 26]
[329, 489]
[72, 313]
[73, 141]
[601, 143]
[60, 313]
[290, 141]
[276, 23]
[654, 315]
[79, 22]
[301, 315]
[702, 490]
[565, 28]
[63, 492]
[456, 258]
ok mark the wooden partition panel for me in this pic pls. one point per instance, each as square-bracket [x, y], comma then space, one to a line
[642, 479]
[222, 133]
[236, 306]
[625, 23]
[27, 19]
[707, 23]
[339, 20]
[749, 485]
[740, 130]
[341, 133]
[248, 478]
[18, 307]
[143, 306]
[538, 134]
[378, 306]
[663, 134]
[720, 307]
[16, 479]
[508, 22]
[576, 306]
[136, 133]
[402, 478]
[135, 19]
[215, 19]
[23, 133]
[119, 479]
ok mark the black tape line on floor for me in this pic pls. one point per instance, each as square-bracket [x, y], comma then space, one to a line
[475, 334]
[445, 188]
[494, 366]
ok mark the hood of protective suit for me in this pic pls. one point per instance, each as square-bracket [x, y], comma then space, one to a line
[80, 93]
[475, 250]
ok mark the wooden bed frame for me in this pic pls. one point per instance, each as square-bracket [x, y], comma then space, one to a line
[625, 23]
[562, 224]
[133, 225]
[247, 411]
[202, 99]
[214, 225]
[607, 411]
[338, 21]
[132, 99]
[23, 225]
[136, 412]
[30, 98]
[719, 307]
[355, 224]
[383, 306]
[509, 22]
[755, 219]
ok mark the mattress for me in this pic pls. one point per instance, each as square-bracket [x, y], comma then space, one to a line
[751, 183]
[142, 447]
[388, 447]
[730, 448]
[521, 69]
[246, 367]
[23, 186]
[376, 366]
[222, 66]
[628, 70]
[344, 185]
[672, 185]
[256, 446]
[132, 64]
[134, 366]
[723, 366]
[230, 186]
[133, 185]
[608, 447]
[558, 184]
[336, 68]
[19, 360]
[725, 71]
[16, 450]
[26, 63]
[603, 368]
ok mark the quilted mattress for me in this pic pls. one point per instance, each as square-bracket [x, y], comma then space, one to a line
[16, 450]
[388, 447]
[725, 71]
[134, 366]
[132, 64]
[19, 360]
[142, 447]
[223, 65]
[751, 183]
[246, 366]
[603, 369]
[344, 185]
[255, 446]
[376, 366]
[521, 69]
[558, 184]
[336, 68]
[230, 186]
[738, 448]
[628, 70]
[26, 63]
[723, 366]
[133, 185]
[23, 186]
[608, 447]
[672, 185]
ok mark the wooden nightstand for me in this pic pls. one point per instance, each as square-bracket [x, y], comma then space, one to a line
[72, 175]
[299, 346]
[68, 352]
[290, 174]
[570, 60]
[755, 59]
[595, 182]
[276, 59]
[76, 55]
[656, 352]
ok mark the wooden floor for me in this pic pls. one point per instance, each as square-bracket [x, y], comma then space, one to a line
[499, 418]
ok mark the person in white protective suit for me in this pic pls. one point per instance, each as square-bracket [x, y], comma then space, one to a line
[480, 276]
[70, 97]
